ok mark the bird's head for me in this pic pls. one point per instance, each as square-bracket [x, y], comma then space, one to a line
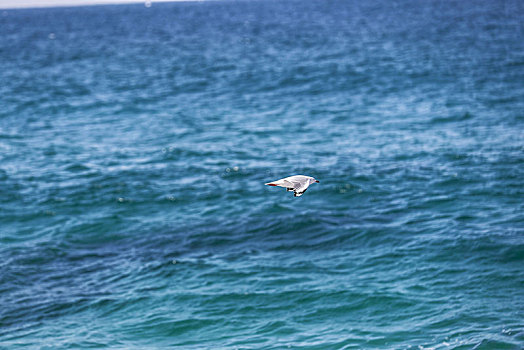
[313, 180]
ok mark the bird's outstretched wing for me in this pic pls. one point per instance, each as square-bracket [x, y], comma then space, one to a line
[301, 189]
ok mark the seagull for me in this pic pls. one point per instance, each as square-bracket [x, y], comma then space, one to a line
[296, 183]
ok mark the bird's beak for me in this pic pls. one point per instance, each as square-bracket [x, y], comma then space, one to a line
[317, 181]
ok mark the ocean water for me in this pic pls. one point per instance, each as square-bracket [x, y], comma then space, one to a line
[135, 143]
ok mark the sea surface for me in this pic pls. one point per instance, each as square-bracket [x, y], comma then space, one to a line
[135, 142]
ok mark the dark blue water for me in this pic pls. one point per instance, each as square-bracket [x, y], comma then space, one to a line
[135, 143]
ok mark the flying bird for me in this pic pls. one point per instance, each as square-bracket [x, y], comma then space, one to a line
[296, 183]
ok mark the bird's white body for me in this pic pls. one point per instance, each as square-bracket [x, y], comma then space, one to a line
[296, 183]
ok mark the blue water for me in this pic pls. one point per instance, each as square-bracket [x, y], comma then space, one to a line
[135, 143]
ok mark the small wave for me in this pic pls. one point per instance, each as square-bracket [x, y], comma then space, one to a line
[451, 119]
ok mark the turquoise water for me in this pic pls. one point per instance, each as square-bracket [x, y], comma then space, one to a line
[135, 143]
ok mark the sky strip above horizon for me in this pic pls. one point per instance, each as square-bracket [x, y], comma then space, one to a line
[13, 4]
